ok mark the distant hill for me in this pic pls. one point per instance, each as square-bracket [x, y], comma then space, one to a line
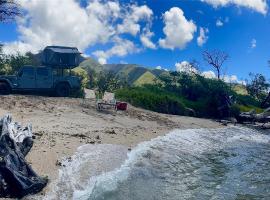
[134, 74]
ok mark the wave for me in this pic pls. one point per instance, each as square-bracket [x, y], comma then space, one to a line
[226, 163]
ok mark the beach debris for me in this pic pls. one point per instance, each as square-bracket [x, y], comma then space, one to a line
[112, 131]
[17, 178]
[252, 117]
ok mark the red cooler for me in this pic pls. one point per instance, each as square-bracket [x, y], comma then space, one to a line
[121, 106]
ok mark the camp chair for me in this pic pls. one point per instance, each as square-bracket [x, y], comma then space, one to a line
[88, 96]
[107, 100]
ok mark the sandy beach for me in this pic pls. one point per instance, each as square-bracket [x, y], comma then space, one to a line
[61, 125]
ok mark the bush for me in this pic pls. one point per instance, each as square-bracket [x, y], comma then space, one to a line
[151, 100]
[208, 98]
[80, 72]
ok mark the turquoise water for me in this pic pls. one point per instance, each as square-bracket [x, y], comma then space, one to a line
[229, 163]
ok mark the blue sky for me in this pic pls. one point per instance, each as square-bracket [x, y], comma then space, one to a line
[243, 31]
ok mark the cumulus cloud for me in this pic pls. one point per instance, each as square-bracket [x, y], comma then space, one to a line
[227, 78]
[202, 39]
[65, 22]
[121, 48]
[131, 22]
[209, 74]
[146, 39]
[253, 43]
[256, 5]
[186, 67]
[178, 30]
[233, 79]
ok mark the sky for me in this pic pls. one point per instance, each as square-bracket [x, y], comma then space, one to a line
[164, 34]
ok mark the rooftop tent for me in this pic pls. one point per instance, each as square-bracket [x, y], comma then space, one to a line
[61, 57]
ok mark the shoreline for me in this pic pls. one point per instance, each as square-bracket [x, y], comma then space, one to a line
[61, 125]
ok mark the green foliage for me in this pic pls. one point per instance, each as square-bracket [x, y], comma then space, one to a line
[178, 92]
[78, 71]
[108, 81]
[258, 87]
[152, 100]
[9, 64]
[244, 108]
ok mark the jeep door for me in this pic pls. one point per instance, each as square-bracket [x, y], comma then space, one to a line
[26, 78]
[44, 78]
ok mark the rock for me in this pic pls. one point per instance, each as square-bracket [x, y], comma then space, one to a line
[98, 137]
[58, 163]
[111, 131]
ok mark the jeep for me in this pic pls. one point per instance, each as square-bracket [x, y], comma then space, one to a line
[38, 79]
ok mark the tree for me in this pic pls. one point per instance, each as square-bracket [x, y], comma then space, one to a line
[258, 86]
[108, 81]
[9, 9]
[216, 59]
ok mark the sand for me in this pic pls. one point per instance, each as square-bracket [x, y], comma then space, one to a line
[60, 125]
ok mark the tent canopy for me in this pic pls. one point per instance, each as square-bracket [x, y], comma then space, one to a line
[61, 57]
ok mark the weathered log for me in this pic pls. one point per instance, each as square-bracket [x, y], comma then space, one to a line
[17, 178]
[251, 116]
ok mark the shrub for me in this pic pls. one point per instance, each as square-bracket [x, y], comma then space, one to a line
[151, 100]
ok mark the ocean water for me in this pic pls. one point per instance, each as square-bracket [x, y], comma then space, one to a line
[227, 163]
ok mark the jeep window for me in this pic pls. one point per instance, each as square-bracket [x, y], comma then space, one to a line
[42, 72]
[29, 72]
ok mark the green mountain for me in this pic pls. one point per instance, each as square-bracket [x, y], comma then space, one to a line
[134, 74]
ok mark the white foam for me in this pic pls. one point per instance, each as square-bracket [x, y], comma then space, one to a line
[193, 142]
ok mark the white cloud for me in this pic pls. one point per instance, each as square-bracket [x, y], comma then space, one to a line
[131, 22]
[227, 78]
[121, 48]
[65, 22]
[178, 30]
[51, 22]
[146, 39]
[161, 68]
[185, 66]
[219, 23]
[209, 74]
[233, 79]
[253, 43]
[256, 5]
[202, 39]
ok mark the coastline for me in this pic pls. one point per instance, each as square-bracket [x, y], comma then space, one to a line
[61, 125]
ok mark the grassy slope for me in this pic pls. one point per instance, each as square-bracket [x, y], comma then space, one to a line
[146, 78]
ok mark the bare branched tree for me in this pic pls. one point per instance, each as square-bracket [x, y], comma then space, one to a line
[216, 59]
[9, 9]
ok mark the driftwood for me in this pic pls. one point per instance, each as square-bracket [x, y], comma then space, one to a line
[252, 117]
[17, 178]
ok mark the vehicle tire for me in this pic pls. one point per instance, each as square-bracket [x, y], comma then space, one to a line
[62, 90]
[4, 88]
